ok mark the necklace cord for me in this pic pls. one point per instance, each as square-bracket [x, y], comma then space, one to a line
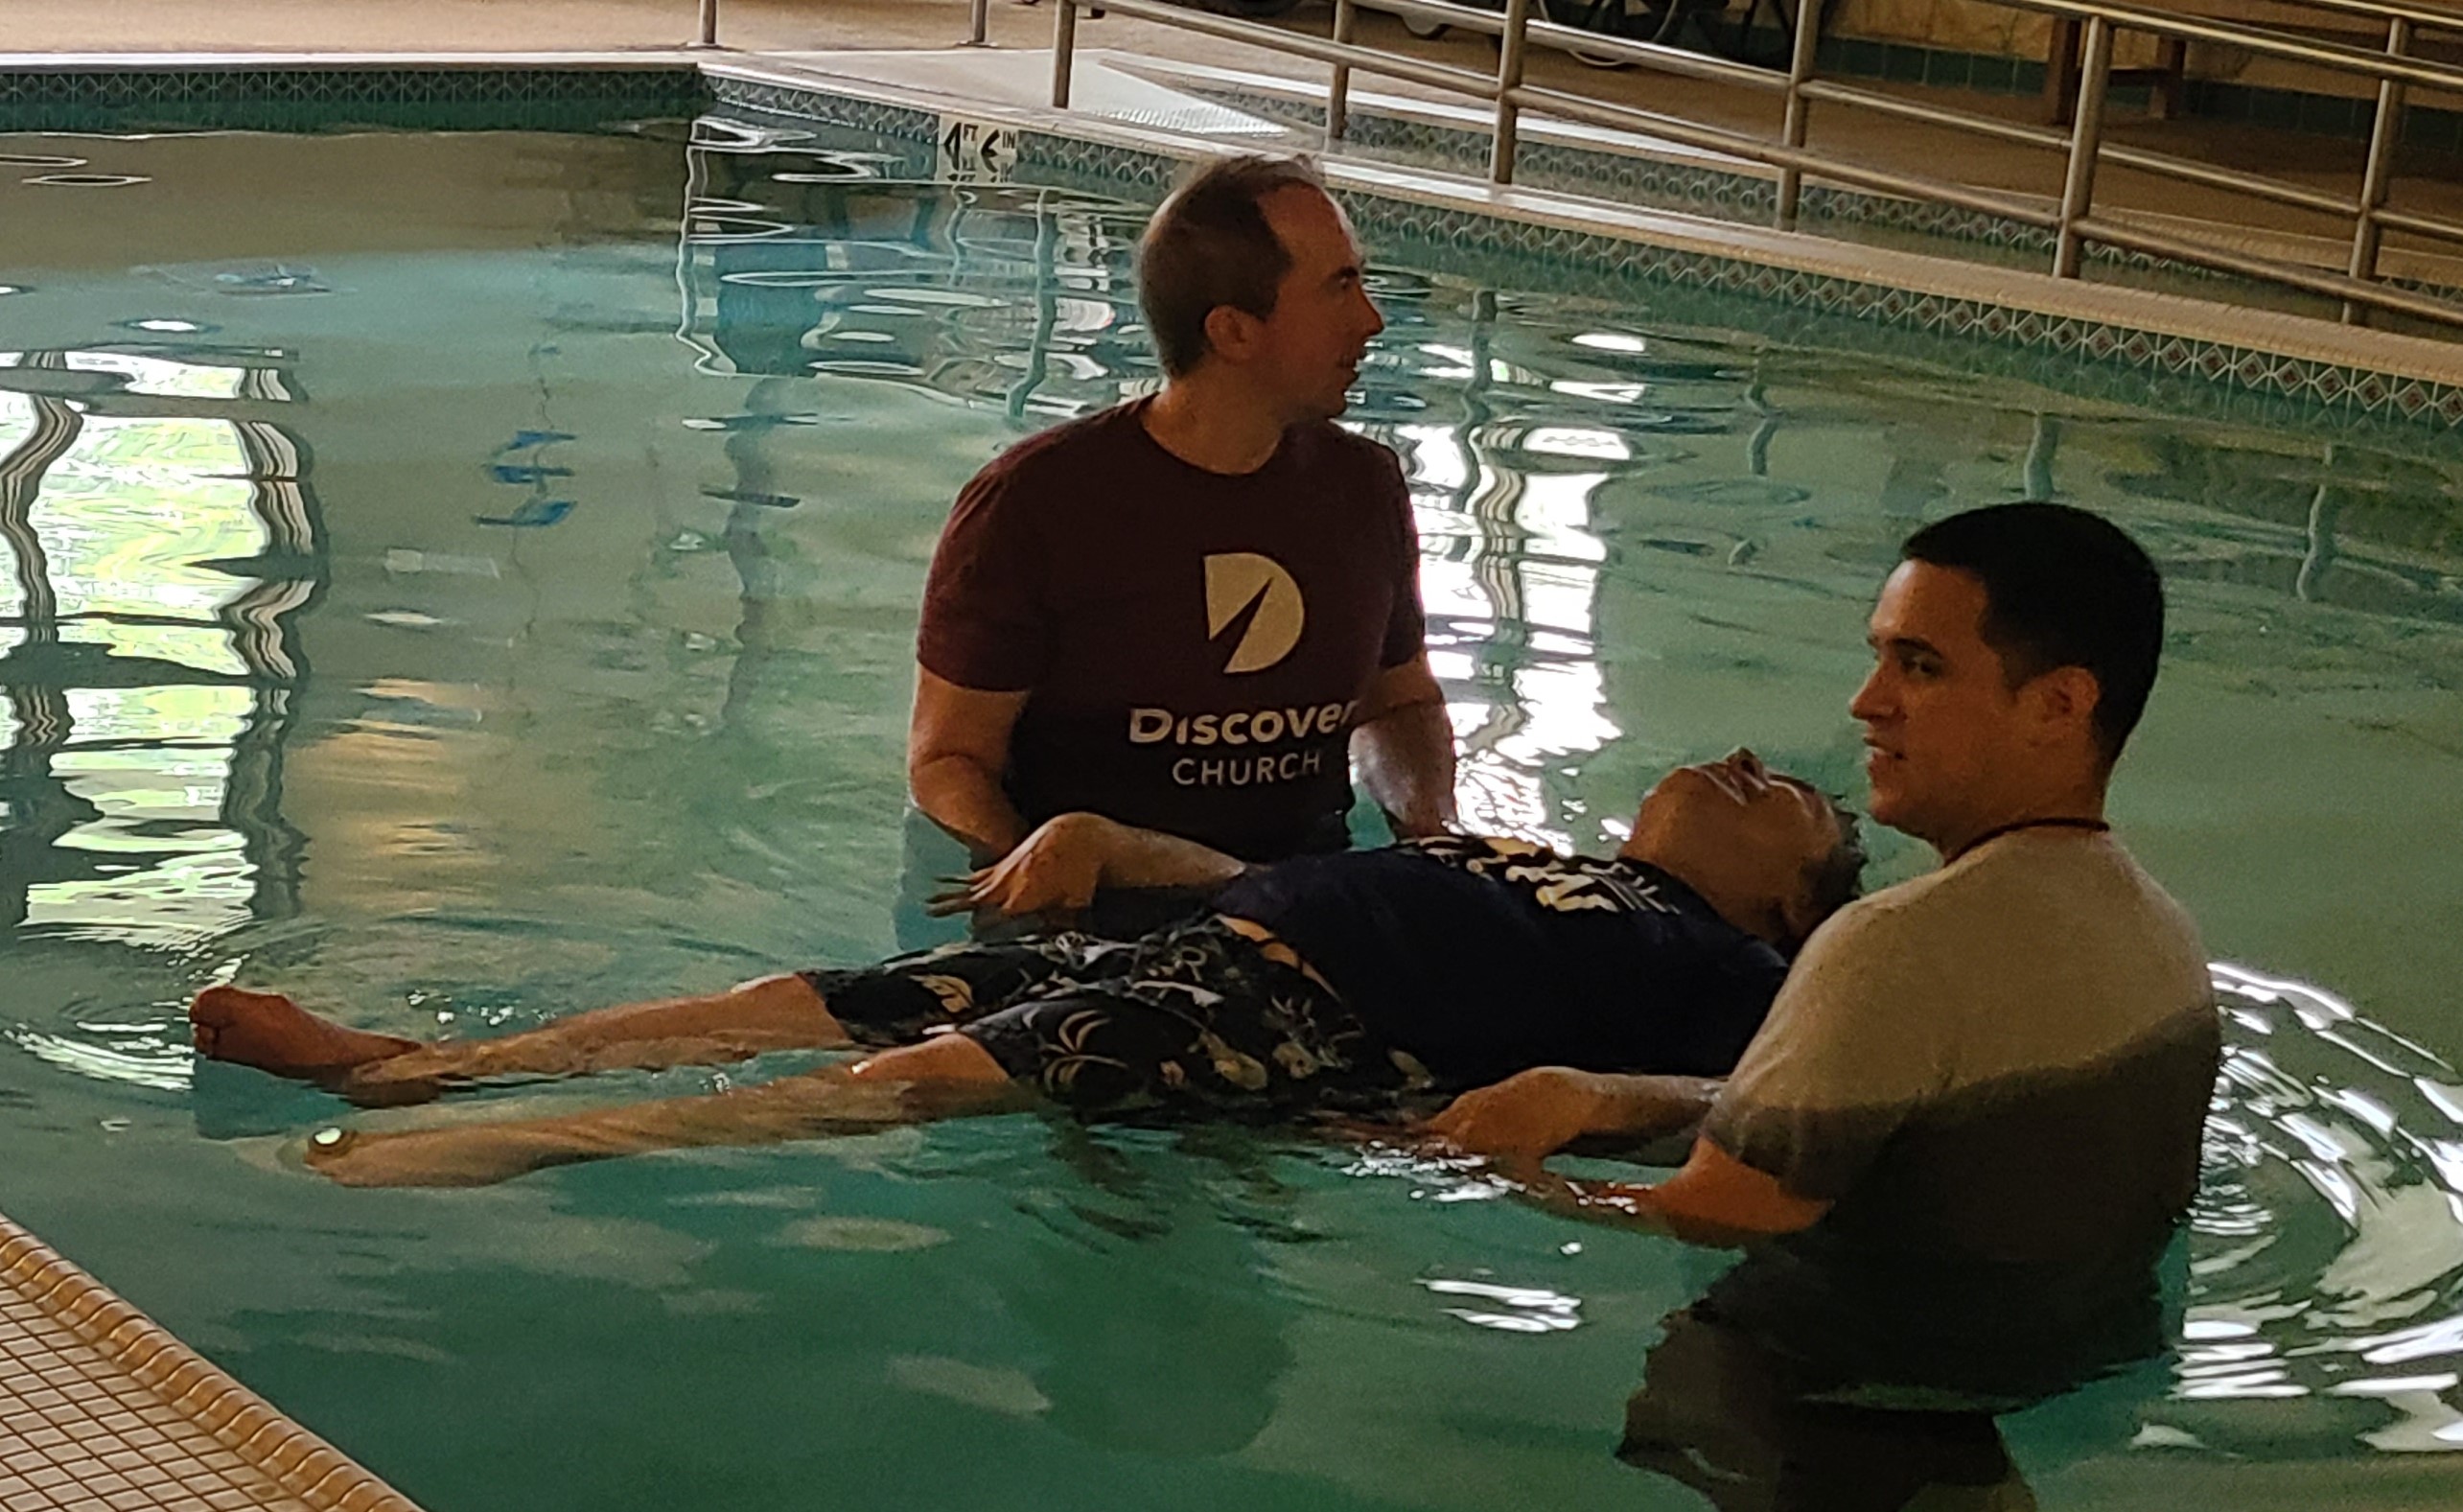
[2094, 826]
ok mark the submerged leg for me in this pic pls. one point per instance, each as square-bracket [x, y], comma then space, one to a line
[943, 1076]
[271, 1033]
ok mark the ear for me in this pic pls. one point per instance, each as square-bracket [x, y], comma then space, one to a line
[1794, 917]
[2061, 704]
[1231, 333]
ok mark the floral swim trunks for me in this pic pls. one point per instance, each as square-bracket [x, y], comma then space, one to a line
[1200, 1013]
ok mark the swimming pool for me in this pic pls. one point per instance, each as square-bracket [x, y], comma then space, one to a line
[442, 587]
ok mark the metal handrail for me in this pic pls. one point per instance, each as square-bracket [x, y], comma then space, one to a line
[2337, 55]
[1295, 44]
[2075, 223]
[2426, 18]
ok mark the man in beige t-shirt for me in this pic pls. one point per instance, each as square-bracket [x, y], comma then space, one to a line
[1970, 1123]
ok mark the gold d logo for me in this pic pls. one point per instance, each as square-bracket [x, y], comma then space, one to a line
[1244, 583]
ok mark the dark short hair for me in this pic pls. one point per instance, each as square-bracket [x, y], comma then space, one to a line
[1210, 246]
[2062, 588]
[1835, 880]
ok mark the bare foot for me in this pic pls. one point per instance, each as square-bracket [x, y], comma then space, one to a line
[271, 1033]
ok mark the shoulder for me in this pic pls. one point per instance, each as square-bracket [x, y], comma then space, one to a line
[1903, 942]
[1476, 852]
[1061, 451]
[1867, 947]
[2054, 913]
[1561, 884]
[2169, 925]
[1323, 446]
[1878, 923]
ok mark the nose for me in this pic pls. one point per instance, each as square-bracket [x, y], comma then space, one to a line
[1873, 700]
[1374, 319]
[1748, 765]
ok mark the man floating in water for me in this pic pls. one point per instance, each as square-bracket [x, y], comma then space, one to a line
[1433, 965]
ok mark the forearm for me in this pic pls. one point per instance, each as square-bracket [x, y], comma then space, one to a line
[1647, 1107]
[1135, 857]
[1405, 759]
[1621, 1204]
[960, 795]
[1715, 1200]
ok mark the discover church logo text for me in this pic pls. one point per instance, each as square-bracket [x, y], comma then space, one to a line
[1252, 605]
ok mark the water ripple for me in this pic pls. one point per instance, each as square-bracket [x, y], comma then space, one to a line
[2327, 1232]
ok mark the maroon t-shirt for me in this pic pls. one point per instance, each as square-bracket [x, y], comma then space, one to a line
[1195, 646]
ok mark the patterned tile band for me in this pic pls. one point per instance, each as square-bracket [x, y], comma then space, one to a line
[1724, 194]
[2070, 355]
[813, 105]
[324, 97]
[237, 1421]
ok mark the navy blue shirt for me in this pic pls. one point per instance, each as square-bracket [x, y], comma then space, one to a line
[1485, 957]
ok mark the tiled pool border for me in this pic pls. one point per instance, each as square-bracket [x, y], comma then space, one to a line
[2077, 356]
[2080, 356]
[256, 96]
[1739, 193]
[147, 1363]
[1691, 188]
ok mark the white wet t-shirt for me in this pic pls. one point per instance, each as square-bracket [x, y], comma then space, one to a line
[1997, 1073]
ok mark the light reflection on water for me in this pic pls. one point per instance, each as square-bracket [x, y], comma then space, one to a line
[537, 738]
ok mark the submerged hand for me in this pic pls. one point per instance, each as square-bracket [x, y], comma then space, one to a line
[1529, 1114]
[1055, 869]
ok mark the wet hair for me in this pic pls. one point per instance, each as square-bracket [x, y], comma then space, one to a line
[1835, 879]
[1210, 246]
[2062, 588]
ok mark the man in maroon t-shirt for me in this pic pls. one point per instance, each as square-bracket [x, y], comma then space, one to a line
[1190, 613]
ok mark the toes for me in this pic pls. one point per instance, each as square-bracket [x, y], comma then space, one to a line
[219, 1006]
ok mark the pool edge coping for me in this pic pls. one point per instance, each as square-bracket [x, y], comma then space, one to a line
[2269, 353]
[300, 1462]
[2347, 371]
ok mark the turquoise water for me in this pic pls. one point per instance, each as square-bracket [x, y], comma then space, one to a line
[440, 586]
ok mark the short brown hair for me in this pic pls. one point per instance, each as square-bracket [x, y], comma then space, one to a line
[1210, 246]
[2061, 587]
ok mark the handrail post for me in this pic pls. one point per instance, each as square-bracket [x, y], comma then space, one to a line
[2086, 140]
[979, 23]
[1509, 78]
[1800, 69]
[706, 35]
[1064, 51]
[1338, 84]
[2384, 133]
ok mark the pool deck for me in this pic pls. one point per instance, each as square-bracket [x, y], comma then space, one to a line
[100, 1411]
[1007, 87]
[2427, 184]
[907, 51]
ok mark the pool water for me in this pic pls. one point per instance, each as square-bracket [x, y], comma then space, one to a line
[468, 579]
